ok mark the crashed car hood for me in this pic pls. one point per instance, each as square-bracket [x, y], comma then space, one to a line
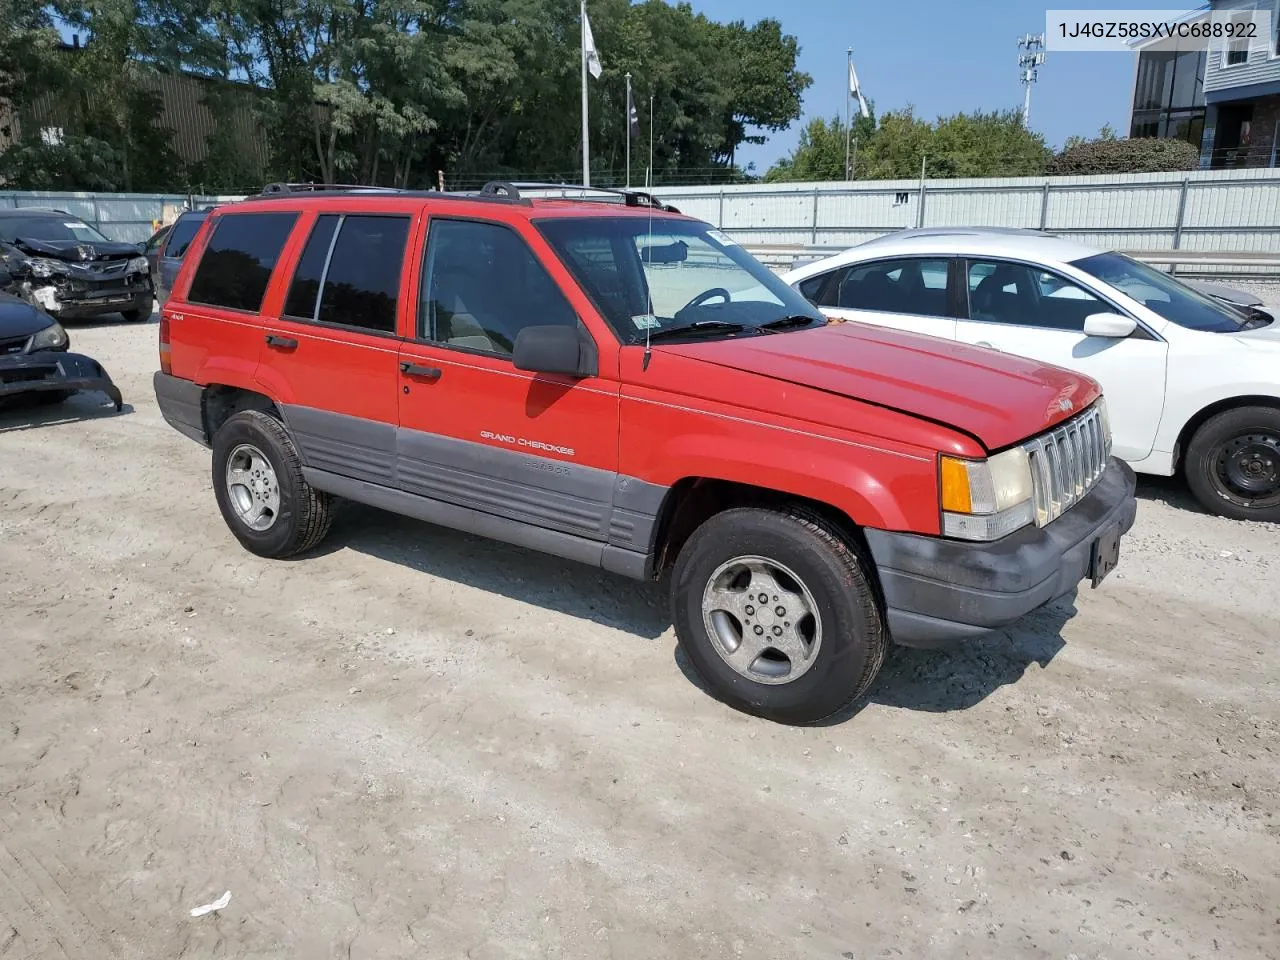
[19, 318]
[997, 398]
[76, 251]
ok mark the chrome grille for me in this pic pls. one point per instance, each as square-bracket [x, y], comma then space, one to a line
[1066, 462]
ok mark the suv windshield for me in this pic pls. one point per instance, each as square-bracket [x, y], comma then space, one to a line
[1167, 296]
[663, 275]
[58, 228]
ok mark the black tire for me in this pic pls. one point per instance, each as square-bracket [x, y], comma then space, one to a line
[135, 316]
[1233, 464]
[853, 637]
[305, 514]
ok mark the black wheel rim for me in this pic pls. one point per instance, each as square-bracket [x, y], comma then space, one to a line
[1247, 468]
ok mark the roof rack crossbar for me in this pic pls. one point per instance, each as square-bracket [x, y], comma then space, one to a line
[632, 198]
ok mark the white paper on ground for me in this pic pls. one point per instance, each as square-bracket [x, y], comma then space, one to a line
[218, 904]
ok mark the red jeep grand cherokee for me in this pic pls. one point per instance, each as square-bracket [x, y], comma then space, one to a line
[609, 381]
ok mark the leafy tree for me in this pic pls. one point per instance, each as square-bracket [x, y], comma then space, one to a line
[389, 91]
[821, 153]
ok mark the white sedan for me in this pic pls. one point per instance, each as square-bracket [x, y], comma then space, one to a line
[1192, 383]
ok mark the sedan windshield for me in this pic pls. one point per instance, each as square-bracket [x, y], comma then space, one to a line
[56, 229]
[1165, 295]
[674, 278]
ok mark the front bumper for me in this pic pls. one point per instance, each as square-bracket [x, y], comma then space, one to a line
[939, 591]
[54, 371]
[84, 307]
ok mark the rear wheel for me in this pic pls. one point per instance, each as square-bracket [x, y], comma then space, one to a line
[257, 479]
[776, 612]
[134, 316]
[1233, 464]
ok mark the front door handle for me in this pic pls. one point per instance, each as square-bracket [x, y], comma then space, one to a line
[417, 370]
[284, 343]
[988, 345]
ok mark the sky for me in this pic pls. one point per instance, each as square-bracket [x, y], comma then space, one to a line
[943, 57]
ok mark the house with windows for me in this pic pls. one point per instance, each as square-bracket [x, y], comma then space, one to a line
[1223, 96]
[1242, 94]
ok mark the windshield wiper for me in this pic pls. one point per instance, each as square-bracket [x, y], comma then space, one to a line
[698, 326]
[786, 323]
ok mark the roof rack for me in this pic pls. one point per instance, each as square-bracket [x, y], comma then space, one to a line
[275, 188]
[632, 198]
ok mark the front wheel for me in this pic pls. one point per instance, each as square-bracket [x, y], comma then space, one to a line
[776, 612]
[1233, 464]
[257, 479]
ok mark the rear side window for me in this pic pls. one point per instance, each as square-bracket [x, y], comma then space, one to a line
[181, 235]
[349, 272]
[896, 286]
[239, 258]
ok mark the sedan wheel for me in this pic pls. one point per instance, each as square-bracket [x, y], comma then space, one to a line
[1233, 464]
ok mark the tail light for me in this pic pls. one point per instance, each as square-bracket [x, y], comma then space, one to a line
[166, 355]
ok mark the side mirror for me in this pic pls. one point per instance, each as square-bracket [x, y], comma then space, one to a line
[553, 349]
[1110, 325]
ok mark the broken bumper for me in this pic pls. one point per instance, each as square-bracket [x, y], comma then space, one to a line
[63, 307]
[53, 371]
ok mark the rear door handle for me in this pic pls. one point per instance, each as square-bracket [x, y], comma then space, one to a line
[989, 346]
[284, 343]
[417, 370]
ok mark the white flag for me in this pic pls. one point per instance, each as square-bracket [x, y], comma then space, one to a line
[589, 47]
[856, 91]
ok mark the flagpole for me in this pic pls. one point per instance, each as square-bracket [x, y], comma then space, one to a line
[628, 129]
[848, 111]
[586, 150]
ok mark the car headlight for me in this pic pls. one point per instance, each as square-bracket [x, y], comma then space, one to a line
[52, 337]
[986, 499]
[44, 268]
[138, 265]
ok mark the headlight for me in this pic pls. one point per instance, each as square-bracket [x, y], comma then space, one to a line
[50, 338]
[138, 265]
[44, 268]
[986, 499]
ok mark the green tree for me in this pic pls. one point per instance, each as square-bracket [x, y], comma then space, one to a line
[821, 152]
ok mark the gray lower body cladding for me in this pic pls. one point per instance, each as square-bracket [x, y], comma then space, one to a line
[940, 591]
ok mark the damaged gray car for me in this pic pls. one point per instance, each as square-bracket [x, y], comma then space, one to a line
[71, 271]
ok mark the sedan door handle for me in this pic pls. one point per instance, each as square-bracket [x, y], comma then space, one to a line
[417, 370]
[284, 343]
[988, 345]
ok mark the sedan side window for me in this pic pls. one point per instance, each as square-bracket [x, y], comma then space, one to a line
[1015, 294]
[897, 286]
[482, 285]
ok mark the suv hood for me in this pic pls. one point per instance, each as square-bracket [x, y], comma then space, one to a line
[997, 398]
[75, 251]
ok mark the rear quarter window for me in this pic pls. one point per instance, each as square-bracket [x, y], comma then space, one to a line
[239, 259]
[180, 236]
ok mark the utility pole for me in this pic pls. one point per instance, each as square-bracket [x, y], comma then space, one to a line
[628, 129]
[1028, 62]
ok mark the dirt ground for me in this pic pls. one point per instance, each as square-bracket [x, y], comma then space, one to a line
[421, 744]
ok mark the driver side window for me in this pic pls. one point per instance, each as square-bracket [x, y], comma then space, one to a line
[482, 285]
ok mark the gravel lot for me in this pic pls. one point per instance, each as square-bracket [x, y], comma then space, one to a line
[420, 744]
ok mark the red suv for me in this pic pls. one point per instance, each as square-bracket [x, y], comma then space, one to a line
[606, 380]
